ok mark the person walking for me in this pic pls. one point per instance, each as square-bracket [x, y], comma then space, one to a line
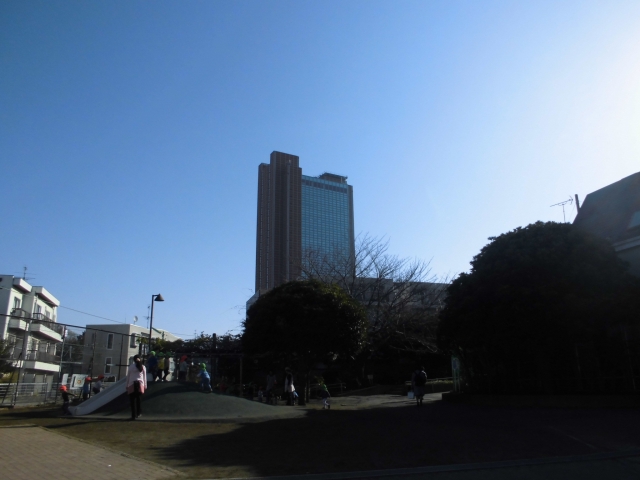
[136, 385]
[152, 365]
[271, 383]
[325, 395]
[160, 370]
[184, 367]
[418, 381]
[289, 388]
[167, 365]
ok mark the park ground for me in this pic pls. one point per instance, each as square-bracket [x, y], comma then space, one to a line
[358, 434]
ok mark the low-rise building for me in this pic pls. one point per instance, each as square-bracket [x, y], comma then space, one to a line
[109, 349]
[28, 316]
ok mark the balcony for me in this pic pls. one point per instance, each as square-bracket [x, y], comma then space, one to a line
[18, 319]
[44, 326]
[17, 324]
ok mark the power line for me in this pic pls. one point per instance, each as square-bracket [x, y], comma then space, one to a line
[90, 314]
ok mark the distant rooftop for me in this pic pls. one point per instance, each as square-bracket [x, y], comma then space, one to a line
[613, 212]
[332, 177]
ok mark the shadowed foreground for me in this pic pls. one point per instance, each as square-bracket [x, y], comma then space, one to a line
[347, 438]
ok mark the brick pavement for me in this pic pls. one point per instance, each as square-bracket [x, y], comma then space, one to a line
[33, 452]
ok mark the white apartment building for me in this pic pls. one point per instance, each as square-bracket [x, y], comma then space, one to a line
[109, 348]
[28, 317]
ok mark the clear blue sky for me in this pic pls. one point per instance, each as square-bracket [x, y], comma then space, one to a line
[131, 133]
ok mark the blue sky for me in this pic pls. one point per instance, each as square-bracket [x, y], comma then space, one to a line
[131, 133]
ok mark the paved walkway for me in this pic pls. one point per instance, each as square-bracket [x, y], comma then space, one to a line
[35, 452]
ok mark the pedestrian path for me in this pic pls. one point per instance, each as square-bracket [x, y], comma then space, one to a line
[33, 452]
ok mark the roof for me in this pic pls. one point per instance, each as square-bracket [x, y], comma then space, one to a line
[613, 212]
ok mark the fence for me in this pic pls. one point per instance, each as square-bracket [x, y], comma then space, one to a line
[45, 353]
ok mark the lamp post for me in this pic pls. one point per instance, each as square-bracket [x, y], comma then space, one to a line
[154, 298]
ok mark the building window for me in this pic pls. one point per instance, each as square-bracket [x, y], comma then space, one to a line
[132, 344]
[635, 220]
[107, 365]
[47, 313]
[110, 341]
[16, 302]
[38, 309]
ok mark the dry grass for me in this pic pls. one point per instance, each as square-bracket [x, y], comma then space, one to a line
[349, 438]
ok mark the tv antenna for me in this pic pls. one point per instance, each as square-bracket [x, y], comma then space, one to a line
[135, 319]
[562, 204]
[24, 274]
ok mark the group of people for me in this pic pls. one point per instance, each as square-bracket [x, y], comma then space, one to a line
[289, 390]
[85, 392]
[159, 365]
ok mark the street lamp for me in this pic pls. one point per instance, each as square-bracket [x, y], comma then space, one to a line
[154, 298]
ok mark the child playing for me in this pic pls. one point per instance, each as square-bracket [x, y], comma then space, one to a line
[205, 379]
[98, 385]
[324, 393]
[86, 388]
[65, 400]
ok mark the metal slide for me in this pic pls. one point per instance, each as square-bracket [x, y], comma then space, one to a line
[101, 399]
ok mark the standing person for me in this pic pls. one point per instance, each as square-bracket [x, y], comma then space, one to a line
[184, 367]
[418, 381]
[167, 364]
[136, 385]
[160, 370]
[325, 395]
[289, 388]
[65, 400]
[205, 379]
[152, 364]
[86, 388]
[271, 382]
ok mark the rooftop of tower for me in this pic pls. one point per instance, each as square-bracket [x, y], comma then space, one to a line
[332, 177]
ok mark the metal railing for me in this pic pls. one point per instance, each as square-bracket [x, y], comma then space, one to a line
[40, 318]
[24, 393]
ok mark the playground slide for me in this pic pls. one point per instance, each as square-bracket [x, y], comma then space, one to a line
[96, 401]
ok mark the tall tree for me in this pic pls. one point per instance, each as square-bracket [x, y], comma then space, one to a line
[533, 299]
[401, 296]
[305, 322]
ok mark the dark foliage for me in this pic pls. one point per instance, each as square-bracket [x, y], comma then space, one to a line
[304, 322]
[537, 301]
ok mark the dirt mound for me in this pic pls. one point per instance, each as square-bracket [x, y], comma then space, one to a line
[184, 401]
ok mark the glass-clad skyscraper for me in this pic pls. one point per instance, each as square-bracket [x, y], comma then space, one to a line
[299, 216]
[327, 217]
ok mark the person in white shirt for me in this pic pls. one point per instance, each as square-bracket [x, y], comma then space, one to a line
[136, 385]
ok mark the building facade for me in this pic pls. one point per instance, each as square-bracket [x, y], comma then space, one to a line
[613, 212]
[109, 348]
[299, 215]
[28, 322]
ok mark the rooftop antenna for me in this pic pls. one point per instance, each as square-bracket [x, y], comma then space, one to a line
[24, 274]
[148, 314]
[135, 319]
[562, 204]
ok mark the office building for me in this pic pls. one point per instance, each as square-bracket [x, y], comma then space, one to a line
[298, 216]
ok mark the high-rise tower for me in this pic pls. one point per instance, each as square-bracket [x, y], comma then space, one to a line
[298, 215]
